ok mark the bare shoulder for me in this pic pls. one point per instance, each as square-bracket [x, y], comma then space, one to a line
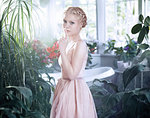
[80, 49]
[81, 45]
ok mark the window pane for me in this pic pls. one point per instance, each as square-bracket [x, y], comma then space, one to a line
[89, 32]
[68, 2]
[83, 1]
[148, 8]
[91, 2]
[120, 18]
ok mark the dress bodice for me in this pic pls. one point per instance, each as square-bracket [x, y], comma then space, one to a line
[70, 54]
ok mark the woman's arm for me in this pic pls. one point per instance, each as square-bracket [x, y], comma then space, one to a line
[74, 68]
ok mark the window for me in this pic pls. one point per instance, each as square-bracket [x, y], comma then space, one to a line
[147, 7]
[89, 6]
[121, 15]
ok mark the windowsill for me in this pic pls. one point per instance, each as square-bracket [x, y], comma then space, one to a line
[108, 55]
[104, 55]
[95, 55]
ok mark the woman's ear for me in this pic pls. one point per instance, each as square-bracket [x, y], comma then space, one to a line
[80, 23]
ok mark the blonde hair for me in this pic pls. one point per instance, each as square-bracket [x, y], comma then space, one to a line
[79, 12]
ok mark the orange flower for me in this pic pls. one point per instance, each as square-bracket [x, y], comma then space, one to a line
[48, 50]
[54, 51]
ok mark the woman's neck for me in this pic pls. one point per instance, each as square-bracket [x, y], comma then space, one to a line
[75, 38]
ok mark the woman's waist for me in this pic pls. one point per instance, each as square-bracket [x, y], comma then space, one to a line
[69, 79]
[64, 75]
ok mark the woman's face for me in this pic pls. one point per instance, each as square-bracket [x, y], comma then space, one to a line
[72, 24]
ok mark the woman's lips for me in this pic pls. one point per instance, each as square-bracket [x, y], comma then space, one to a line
[68, 30]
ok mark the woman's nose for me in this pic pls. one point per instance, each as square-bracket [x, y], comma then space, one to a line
[67, 25]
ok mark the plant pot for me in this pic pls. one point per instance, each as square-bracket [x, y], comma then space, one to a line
[123, 65]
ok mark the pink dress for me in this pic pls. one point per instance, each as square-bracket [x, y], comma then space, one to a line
[72, 98]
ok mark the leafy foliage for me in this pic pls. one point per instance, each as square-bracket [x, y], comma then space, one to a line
[121, 104]
[11, 105]
[126, 103]
[125, 53]
[24, 93]
[142, 28]
[92, 47]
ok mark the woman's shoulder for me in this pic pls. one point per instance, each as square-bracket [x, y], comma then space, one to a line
[81, 43]
[81, 46]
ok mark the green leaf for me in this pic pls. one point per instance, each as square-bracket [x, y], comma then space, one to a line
[141, 17]
[130, 73]
[15, 103]
[144, 46]
[146, 24]
[98, 91]
[147, 21]
[26, 92]
[129, 105]
[143, 91]
[141, 35]
[145, 54]
[136, 28]
[147, 94]
[147, 30]
[7, 112]
[10, 26]
[112, 99]
[113, 86]
[138, 51]
[36, 114]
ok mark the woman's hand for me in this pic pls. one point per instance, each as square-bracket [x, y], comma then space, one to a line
[62, 45]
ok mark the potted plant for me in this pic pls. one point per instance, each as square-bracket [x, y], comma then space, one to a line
[92, 47]
[124, 54]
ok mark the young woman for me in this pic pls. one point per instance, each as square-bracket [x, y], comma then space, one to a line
[72, 97]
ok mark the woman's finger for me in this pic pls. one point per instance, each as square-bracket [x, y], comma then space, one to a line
[66, 35]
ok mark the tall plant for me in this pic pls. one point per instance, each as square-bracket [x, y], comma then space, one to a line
[18, 19]
[17, 65]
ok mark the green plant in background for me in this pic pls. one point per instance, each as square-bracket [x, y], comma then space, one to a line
[10, 104]
[19, 67]
[89, 60]
[127, 103]
[18, 19]
[122, 104]
[110, 46]
[11, 74]
[92, 47]
[125, 53]
[142, 28]
[38, 52]
[130, 49]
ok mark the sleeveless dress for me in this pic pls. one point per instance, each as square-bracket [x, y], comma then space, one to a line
[72, 98]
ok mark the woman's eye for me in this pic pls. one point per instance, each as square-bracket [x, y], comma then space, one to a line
[65, 21]
[71, 23]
